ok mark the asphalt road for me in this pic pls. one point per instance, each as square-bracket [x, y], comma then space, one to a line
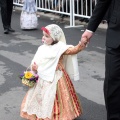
[17, 50]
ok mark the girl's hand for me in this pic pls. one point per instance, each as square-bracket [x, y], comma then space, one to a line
[34, 67]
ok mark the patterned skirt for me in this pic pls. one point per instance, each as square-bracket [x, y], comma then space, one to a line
[66, 104]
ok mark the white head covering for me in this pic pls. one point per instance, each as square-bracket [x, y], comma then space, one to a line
[55, 32]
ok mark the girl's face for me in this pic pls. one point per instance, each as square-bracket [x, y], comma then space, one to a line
[47, 39]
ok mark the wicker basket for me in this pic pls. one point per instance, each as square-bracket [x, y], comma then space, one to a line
[28, 82]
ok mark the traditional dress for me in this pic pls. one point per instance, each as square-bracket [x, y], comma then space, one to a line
[53, 96]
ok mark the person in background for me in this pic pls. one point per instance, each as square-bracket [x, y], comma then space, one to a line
[28, 18]
[112, 57]
[6, 13]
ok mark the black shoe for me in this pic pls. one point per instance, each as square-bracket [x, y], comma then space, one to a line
[11, 30]
[6, 31]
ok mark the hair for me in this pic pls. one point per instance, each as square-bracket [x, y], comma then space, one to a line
[54, 42]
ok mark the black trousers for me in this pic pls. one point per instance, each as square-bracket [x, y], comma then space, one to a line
[112, 83]
[6, 12]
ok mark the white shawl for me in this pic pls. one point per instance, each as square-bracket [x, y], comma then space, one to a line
[47, 57]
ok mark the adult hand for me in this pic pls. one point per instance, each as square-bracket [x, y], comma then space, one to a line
[87, 34]
[83, 42]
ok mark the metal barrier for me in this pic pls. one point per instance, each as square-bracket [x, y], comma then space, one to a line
[17, 3]
[71, 8]
[83, 9]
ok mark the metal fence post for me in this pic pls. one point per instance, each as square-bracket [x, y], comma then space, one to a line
[71, 14]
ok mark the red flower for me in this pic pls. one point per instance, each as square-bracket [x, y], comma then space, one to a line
[45, 30]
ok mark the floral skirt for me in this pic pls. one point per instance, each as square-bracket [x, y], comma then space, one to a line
[66, 104]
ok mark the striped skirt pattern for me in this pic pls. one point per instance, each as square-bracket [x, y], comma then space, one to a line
[67, 105]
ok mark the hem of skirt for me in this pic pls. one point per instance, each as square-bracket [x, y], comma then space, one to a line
[25, 114]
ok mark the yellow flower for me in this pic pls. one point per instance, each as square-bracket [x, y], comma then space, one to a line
[28, 74]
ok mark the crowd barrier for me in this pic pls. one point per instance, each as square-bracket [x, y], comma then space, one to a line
[70, 8]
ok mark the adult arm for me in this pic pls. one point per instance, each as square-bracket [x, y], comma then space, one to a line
[97, 16]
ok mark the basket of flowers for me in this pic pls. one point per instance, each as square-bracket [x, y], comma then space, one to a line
[29, 78]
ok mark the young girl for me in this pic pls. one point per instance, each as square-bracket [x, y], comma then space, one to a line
[54, 96]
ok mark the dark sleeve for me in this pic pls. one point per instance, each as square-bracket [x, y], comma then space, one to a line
[98, 14]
